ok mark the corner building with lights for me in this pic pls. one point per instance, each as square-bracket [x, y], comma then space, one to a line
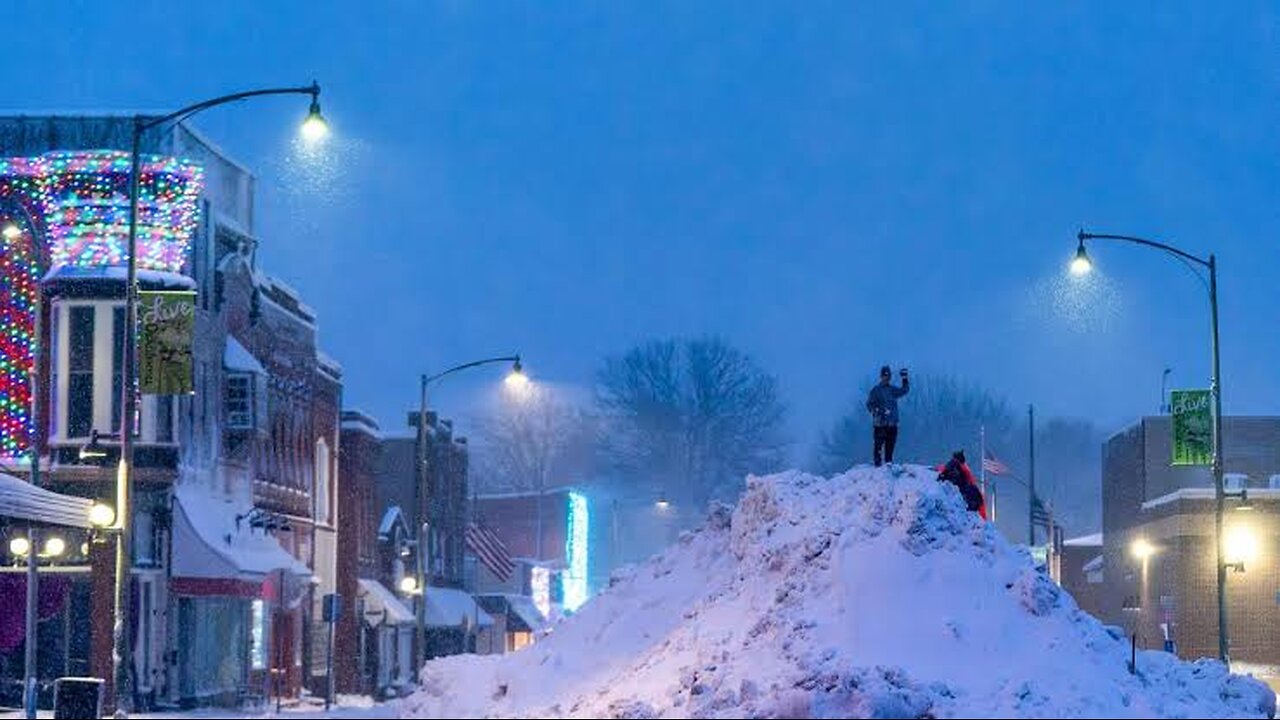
[233, 516]
[1156, 576]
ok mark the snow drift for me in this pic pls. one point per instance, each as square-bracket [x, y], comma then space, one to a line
[868, 594]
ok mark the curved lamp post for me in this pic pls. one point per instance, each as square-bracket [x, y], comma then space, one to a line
[313, 128]
[1081, 265]
[515, 378]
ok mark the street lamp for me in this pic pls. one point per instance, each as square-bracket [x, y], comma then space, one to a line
[515, 378]
[1081, 265]
[122, 654]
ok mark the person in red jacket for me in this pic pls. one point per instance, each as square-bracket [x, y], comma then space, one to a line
[957, 472]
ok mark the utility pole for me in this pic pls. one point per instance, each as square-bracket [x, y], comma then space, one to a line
[1031, 477]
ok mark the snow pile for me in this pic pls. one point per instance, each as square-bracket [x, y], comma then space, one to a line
[869, 594]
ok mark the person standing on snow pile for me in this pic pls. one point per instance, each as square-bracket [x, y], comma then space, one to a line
[957, 472]
[882, 403]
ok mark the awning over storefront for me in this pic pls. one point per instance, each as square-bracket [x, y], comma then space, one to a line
[21, 500]
[522, 614]
[381, 606]
[448, 607]
[208, 545]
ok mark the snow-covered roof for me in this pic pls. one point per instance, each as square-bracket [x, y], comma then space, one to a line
[357, 421]
[523, 610]
[1206, 493]
[207, 543]
[1094, 540]
[389, 518]
[161, 278]
[328, 362]
[1094, 565]
[21, 500]
[236, 357]
[449, 607]
[381, 606]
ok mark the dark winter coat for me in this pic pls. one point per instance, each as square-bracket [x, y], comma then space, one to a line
[882, 403]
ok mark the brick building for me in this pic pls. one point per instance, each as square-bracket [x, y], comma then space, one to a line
[359, 558]
[1159, 562]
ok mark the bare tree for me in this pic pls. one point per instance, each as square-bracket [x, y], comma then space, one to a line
[689, 418]
[533, 440]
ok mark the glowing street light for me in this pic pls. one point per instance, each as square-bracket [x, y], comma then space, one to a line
[1142, 549]
[102, 515]
[315, 128]
[1240, 547]
[54, 547]
[19, 546]
[516, 379]
[122, 647]
[409, 585]
[1081, 264]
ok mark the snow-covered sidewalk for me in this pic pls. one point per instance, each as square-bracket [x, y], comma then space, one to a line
[349, 707]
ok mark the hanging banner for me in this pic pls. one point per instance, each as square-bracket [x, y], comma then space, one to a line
[167, 323]
[1192, 427]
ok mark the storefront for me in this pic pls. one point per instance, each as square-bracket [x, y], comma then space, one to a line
[386, 640]
[236, 598]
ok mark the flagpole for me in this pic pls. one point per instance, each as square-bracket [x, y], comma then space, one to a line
[982, 461]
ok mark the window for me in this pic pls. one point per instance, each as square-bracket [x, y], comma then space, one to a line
[322, 481]
[80, 372]
[144, 539]
[164, 418]
[240, 401]
[258, 635]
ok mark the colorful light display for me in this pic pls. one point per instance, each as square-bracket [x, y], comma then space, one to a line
[80, 202]
[19, 275]
[84, 202]
[574, 579]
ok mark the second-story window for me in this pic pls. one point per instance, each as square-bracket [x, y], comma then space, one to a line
[240, 401]
[80, 372]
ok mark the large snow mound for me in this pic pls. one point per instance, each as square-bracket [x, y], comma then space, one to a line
[868, 594]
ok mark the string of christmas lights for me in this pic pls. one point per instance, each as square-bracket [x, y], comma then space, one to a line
[19, 275]
[84, 200]
[81, 201]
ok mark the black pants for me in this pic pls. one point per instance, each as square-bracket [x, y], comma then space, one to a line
[886, 436]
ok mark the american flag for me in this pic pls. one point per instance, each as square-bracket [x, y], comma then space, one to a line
[491, 551]
[992, 464]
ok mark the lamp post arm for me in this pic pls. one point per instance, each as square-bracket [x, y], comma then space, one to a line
[1082, 236]
[426, 379]
[313, 90]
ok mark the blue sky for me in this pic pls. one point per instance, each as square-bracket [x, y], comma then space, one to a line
[831, 186]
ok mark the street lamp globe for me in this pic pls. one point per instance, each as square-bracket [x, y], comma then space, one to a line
[101, 515]
[314, 128]
[54, 547]
[408, 585]
[1081, 265]
[19, 546]
[517, 379]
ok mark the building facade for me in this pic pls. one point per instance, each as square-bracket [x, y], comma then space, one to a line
[233, 518]
[1158, 569]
